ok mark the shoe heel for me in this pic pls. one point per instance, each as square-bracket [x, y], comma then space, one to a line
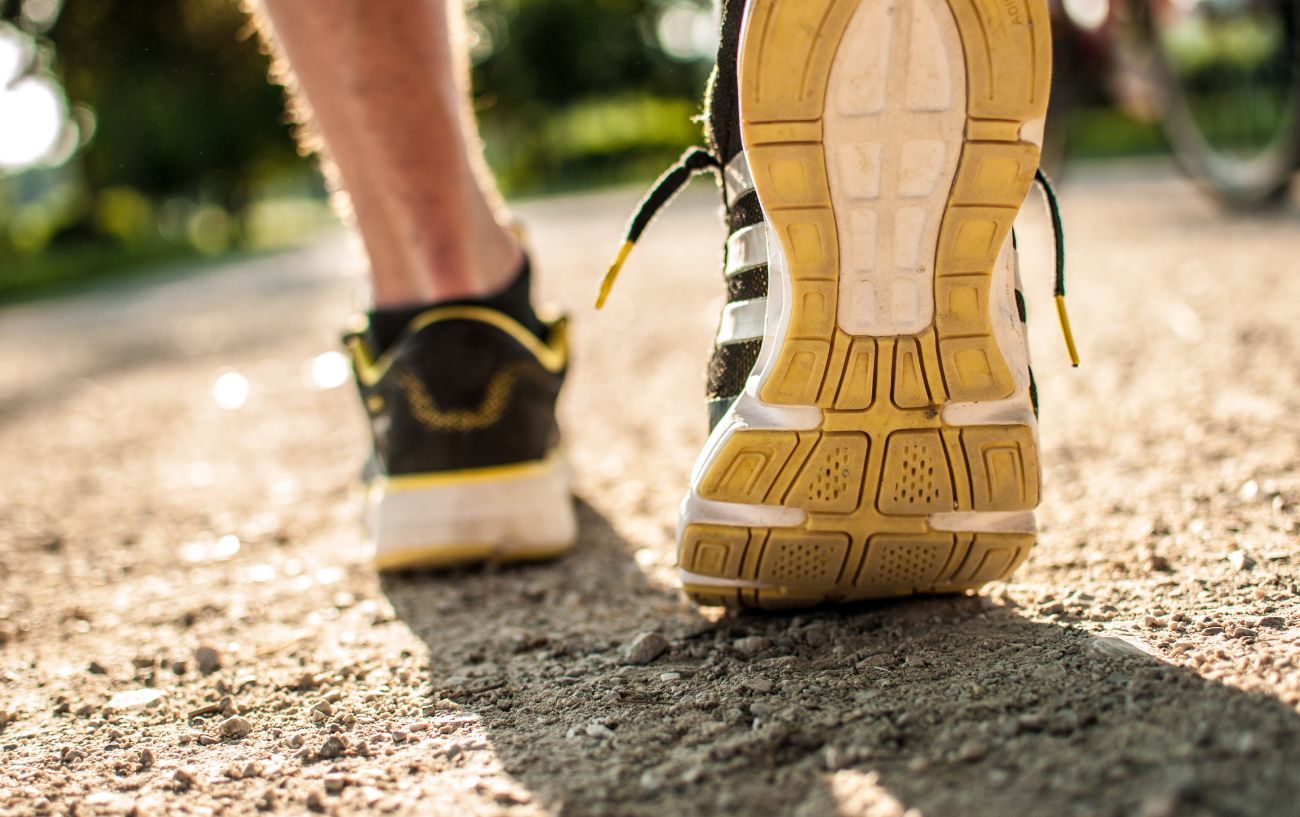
[891, 143]
[506, 514]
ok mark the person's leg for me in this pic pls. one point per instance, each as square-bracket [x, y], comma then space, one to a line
[386, 83]
[457, 374]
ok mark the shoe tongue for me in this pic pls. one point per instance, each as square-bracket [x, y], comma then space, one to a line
[722, 98]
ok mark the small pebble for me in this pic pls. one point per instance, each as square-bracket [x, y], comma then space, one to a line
[97, 668]
[1240, 560]
[323, 708]
[761, 685]
[1275, 622]
[146, 757]
[751, 645]
[971, 751]
[207, 709]
[184, 777]
[1117, 647]
[234, 727]
[334, 746]
[208, 659]
[599, 730]
[645, 648]
[670, 676]
[1157, 562]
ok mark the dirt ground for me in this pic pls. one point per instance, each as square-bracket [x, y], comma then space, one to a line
[188, 625]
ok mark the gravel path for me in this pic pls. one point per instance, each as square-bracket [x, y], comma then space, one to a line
[188, 625]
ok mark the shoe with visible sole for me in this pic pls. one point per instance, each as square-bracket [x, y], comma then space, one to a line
[466, 447]
[874, 418]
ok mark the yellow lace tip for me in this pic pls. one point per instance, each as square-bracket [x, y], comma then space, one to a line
[1064, 317]
[612, 275]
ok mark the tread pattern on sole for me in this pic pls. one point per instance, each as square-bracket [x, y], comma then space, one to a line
[891, 243]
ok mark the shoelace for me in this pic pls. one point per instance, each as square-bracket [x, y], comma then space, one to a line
[1058, 283]
[666, 187]
[697, 160]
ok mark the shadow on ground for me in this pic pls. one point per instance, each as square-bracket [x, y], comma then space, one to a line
[956, 707]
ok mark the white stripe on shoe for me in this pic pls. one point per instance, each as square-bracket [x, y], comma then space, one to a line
[742, 321]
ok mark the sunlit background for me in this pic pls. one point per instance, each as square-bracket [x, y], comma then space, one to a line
[138, 134]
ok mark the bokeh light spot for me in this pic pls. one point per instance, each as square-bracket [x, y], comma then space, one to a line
[327, 371]
[230, 391]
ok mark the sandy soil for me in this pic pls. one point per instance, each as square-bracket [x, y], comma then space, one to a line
[188, 625]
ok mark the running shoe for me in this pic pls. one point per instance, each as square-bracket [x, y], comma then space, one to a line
[467, 466]
[874, 418]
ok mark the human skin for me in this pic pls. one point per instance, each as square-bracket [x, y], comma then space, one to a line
[382, 89]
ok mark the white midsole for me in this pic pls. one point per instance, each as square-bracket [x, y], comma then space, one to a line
[525, 511]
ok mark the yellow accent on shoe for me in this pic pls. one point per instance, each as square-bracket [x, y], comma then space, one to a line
[1064, 318]
[437, 556]
[494, 473]
[612, 275]
[553, 354]
[426, 411]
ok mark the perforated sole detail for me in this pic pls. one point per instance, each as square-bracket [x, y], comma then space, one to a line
[892, 143]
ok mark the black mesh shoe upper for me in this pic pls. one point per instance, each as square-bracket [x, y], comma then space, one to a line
[730, 363]
[465, 387]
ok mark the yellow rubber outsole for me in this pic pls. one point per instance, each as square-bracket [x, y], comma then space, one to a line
[883, 459]
[444, 557]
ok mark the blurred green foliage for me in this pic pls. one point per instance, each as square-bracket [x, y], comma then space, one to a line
[569, 92]
[181, 134]
[190, 148]
[179, 95]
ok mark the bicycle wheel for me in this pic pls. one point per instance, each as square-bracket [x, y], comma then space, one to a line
[1230, 75]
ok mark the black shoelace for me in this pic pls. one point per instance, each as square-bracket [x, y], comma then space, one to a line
[1058, 242]
[694, 160]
